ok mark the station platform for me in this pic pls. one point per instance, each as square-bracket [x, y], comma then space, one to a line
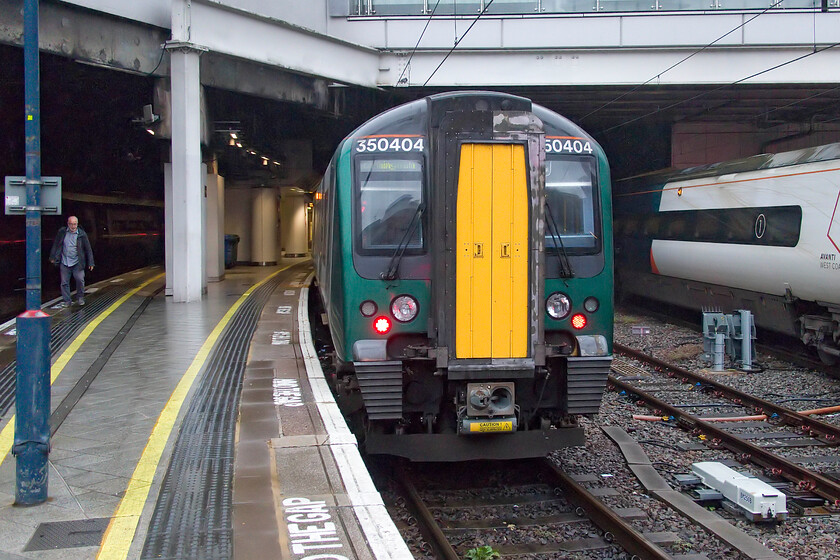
[192, 430]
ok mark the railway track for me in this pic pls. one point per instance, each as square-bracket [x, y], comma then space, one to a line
[569, 517]
[756, 430]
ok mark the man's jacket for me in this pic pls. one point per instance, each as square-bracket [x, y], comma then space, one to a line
[82, 247]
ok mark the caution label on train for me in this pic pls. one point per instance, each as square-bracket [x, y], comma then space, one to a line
[492, 426]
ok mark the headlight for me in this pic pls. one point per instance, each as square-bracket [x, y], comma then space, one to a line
[404, 308]
[591, 304]
[368, 308]
[558, 305]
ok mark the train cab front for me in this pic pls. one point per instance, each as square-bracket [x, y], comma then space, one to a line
[455, 353]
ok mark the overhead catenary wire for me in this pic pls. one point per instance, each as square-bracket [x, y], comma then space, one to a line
[659, 74]
[798, 101]
[408, 62]
[724, 86]
[458, 41]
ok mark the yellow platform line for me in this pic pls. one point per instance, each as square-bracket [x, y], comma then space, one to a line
[120, 532]
[7, 436]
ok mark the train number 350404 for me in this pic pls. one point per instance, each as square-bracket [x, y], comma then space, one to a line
[567, 146]
[382, 144]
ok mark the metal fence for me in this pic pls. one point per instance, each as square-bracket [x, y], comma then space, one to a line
[514, 7]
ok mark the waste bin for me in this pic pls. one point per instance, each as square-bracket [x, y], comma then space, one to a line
[231, 244]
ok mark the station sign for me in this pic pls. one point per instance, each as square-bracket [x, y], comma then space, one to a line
[15, 196]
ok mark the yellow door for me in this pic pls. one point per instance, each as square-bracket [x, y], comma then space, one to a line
[491, 308]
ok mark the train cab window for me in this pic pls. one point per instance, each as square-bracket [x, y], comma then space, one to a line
[389, 194]
[572, 204]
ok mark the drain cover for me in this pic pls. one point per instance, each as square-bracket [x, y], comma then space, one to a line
[68, 534]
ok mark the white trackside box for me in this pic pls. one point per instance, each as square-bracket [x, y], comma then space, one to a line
[756, 499]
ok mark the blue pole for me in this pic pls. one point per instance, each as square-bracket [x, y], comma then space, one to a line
[32, 118]
[32, 393]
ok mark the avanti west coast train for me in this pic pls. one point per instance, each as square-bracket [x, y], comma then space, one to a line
[761, 234]
[463, 253]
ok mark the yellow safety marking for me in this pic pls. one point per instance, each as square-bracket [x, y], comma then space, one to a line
[120, 533]
[7, 436]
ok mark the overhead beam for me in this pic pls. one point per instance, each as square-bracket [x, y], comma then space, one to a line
[99, 39]
[611, 67]
[91, 37]
[238, 33]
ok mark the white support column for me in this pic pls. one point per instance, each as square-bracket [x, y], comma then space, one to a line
[214, 244]
[187, 272]
[264, 227]
[167, 220]
[293, 227]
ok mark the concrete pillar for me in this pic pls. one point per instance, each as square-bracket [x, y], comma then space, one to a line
[167, 228]
[293, 226]
[187, 232]
[215, 226]
[263, 226]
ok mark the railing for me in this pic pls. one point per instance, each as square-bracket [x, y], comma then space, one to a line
[513, 7]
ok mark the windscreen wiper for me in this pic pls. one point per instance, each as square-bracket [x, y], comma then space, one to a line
[560, 251]
[394, 264]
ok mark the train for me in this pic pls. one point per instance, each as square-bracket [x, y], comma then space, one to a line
[125, 234]
[760, 233]
[463, 257]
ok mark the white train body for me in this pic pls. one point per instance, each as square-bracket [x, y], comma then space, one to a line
[756, 499]
[810, 270]
[765, 239]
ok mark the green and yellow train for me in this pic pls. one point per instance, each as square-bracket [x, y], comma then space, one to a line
[463, 253]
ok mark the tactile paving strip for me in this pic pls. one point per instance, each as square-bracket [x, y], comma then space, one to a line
[194, 511]
[68, 534]
[61, 332]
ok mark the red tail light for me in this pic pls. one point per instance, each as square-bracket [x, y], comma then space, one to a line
[579, 321]
[382, 325]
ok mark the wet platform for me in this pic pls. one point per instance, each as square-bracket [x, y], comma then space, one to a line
[198, 430]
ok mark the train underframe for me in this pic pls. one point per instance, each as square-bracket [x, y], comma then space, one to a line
[822, 331]
[413, 409]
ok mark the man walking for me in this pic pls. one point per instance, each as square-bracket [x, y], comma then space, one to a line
[71, 251]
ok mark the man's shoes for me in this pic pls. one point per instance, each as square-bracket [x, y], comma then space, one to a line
[81, 301]
[63, 305]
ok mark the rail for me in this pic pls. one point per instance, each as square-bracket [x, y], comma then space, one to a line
[805, 478]
[615, 529]
[812, 426]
